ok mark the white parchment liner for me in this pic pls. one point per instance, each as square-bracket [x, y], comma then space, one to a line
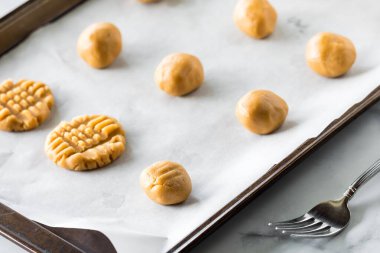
[199, 131]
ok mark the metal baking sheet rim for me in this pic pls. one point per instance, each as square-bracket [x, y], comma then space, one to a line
[52, 9]
[275, 173]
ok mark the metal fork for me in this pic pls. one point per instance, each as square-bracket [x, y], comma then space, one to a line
[327, 218]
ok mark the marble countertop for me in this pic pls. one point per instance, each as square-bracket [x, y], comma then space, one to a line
[324, 175]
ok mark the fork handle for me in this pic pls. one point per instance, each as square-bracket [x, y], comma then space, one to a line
[362, 179]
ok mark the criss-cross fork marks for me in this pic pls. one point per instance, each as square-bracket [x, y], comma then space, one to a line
[304, 226]
[165, 173]
[26, 102]
[83, 134]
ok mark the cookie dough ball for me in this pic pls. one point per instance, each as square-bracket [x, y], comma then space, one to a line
[261, 111]
[148, 1]
[166, 183]
[99, 44]
[330, 55]
[256, 18]
[179, 74]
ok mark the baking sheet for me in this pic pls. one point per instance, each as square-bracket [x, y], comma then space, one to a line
[200, 131]
[8, 6]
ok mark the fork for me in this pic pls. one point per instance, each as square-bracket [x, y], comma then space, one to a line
[327, 218]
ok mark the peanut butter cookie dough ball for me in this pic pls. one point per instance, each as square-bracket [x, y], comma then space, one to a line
[261, 111]
[166, 183]
[330, 55]
[256, 18]
[100, 44]
[148, 1]
[179, 74]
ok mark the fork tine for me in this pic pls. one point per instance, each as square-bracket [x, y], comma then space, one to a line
[304, 223]
[297, 221]
[302, 228]
[312, 236]
[319, 232]
[323, 233]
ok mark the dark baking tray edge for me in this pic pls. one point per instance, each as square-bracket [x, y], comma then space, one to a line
[19, 23]
[36, 13]
[274, 174]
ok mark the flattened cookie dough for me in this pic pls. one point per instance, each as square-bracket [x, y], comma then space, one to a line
[256, 18]
[166, 183]
[86, 142]
[179, 74]
[100, 44]
[330, 55]
[24, 105]
[261, 111]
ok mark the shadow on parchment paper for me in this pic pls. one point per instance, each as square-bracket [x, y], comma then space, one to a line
[168, 2]
[55, 116]
[173, 2]
[356, 71]
[120, 63]
[125, 157]
[206, 90]
[288, 124]
[282, 33]
[51, 122]
[190, 201]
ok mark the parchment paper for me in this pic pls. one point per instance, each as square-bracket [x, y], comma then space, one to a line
[10, 5]
[199, 131]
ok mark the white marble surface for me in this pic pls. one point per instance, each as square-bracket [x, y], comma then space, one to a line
[222, 160]
[324, 175]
